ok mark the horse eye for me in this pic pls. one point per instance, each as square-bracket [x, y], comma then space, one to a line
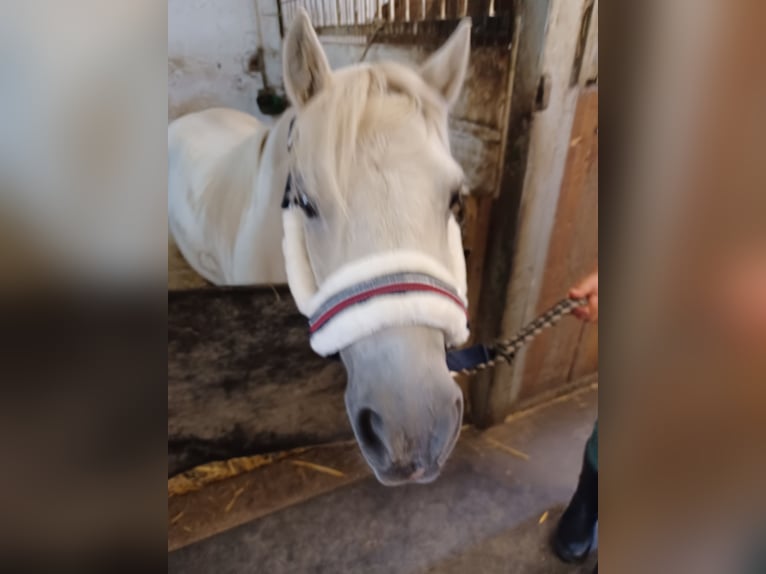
[456, 204]
[305, 204]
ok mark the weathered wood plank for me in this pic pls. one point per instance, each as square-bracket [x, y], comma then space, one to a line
[180, 274]
[242, 378]
[572, 253]
[536, 157]
[502, 233]
[586, 357]
[223, 505]
[478, 212]
[477, 150]
[548, 150]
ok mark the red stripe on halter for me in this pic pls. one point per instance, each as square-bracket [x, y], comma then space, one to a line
[385, 290]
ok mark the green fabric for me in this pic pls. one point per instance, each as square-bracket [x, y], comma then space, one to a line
[591, 447]
[757, 563]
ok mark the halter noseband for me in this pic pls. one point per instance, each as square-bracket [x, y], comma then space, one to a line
[383, 290]
[392, 284]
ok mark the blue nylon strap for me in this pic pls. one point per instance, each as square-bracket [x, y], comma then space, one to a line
[459, 359]
[468, 358]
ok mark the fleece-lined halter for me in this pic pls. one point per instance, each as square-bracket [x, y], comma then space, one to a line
[394, 288]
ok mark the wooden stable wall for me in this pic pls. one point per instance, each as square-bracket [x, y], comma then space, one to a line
[557, 58]
[242, 378]
[570, 351]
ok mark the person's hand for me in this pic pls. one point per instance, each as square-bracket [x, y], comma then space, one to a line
[588, 288]
[741, 295]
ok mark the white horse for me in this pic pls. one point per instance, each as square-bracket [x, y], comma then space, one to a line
[348, 197]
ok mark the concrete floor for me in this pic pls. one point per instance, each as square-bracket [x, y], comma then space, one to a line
[491, 511]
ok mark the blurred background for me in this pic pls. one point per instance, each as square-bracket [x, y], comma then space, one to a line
[680, 354]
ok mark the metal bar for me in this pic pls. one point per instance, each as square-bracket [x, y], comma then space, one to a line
[391, 10]
[422, 9]
[443, 10]
[406, 10]
[380, 9]
[491, 11]
[464, 10]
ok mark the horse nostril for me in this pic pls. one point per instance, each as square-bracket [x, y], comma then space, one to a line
[370, 426]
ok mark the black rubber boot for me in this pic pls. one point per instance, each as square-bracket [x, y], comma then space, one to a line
[576, 530]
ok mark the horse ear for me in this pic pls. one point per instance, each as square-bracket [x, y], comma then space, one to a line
[445, 70]
[305, 67]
